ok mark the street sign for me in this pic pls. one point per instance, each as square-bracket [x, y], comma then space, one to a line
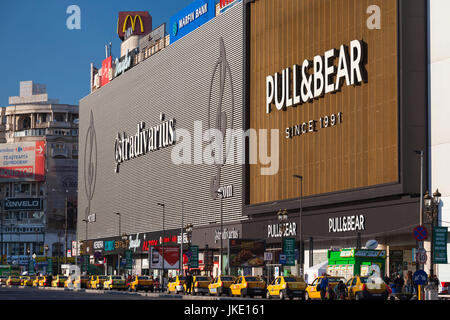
[128, 259]
[420, 277]
[420, 233]
[421, 256]
[440, 245]
[282, 259]
[289, 251]
[267, 256]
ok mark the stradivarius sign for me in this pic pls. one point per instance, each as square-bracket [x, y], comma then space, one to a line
[144, 141]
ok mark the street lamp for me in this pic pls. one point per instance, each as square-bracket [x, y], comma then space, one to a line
[432, 209]
[221, 229]
[29, 258]
[118, 253]
[300, 228]
[163, 236]
[45, 252]
[282, 218]
[189, 228]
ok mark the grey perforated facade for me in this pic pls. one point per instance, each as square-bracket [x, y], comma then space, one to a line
[182, 82]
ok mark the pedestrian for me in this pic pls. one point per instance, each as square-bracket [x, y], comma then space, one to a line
[340, 290]
[409, 285]
[434, 280]
[189, 281]
[170, 277]
[323, 286]
[399, 283]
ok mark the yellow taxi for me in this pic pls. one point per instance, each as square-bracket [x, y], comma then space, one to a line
[360, 288]
[248, 286]
[3, 280]
[36, 281]
[220, 285]
[286, 287]
[81, 282]
[200, 285]
[141, 283]
[59, 281]
[45, 281]
[13, 281]
[69, 282]
[114, 282]
[27, 281]
[177, 285]
[313, 290]
[96, 282]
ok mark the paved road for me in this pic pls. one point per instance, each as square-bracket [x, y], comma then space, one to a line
[31, 293]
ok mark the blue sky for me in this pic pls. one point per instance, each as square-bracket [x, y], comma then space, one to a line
[36, 44]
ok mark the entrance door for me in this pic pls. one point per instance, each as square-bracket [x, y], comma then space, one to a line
[396, 262]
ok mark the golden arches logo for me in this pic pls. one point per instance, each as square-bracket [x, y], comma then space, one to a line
[133, 23]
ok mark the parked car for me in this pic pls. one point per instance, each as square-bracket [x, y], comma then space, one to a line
[141, 283]
[96, 282]
[82, 282]
[59, 281]
[200, 285]
[248, 286]
[286, 287]
[367, 288]
[115, 282]
[177, 285]
[221, 285]
[26, 281]
[3, 280]
[36, 281]
[45, 281]
[313, 291]
[13, 281]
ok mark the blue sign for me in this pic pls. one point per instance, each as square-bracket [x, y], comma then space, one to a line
[420, 233]
[190, 18]
[420, 277]
[282, 259]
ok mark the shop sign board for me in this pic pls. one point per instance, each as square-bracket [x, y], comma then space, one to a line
[440, 245]
[22, 204]
[190, 18]
[170, 255]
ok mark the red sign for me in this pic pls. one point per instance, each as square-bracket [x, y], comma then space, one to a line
[106, 67]
[420, 233]
[224, 3]
[140, 23]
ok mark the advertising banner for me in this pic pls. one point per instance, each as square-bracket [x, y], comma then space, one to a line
[171, 257]
[190, 18]
[22, 161]
[440, 245]
[247, 253]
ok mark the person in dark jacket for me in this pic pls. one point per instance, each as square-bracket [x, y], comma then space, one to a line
[399, 283]
[340, 290]
[323, 286]
[189, 280]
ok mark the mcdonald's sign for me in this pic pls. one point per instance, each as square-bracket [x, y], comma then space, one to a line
[139, 23]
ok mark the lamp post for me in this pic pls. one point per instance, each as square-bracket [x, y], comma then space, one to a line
[432, 210]
[118, 253]
[163, 236]
[300, 228]
[189, 228]
[86, 236]
[29, 259]
[220, 192]
[45, 253]
[282, 218]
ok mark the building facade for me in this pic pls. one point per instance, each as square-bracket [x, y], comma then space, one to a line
[144, 166]
[346, 89]
[38, 181]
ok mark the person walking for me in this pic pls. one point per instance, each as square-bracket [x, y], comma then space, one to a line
[340, 291]
[409, 285]
[399, 283]
[189, 280]
[323, 286]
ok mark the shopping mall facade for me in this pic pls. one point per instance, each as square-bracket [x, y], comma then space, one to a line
[339, 91]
